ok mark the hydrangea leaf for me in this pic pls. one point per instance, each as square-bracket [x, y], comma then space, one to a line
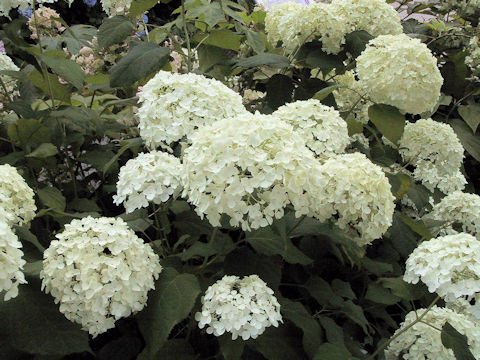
[452, 339]
[114, 30]
[388, 120]
[170, 302]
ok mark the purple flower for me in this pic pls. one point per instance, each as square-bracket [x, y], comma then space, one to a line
[90, 3]
[141, 34]
[145, 18]
[28, 12]
[2, 47]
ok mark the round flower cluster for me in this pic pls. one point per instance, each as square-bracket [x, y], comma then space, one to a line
[465, 307]
[7, 5]
[423, 340]
[88, 60]
[16, 197]
[321, 127]
[11, 262]
[116, 7]
[373, 16]
[436, 152]
[44, 21]
[281, 24]
[6, 63]
[99, 271]
[449, 265]
[174, 105]
[461, 208]
[151, 177]
[400, 71]
[248, 167]
[349, 97]
[244, 307]
[357, 192]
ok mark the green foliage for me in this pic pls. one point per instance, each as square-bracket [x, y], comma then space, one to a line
[452, 339]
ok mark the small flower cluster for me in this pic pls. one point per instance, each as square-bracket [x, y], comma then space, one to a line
[174, 105]
[400, 71]
[321, 127]
[116, 7]
[244, 307]
[45, 22]
[11, 262]
[151, 177]
[10, 83]
[294, 24]
[472, 60]
[449, 265]
[423, 339]
[349, 97]
[99, 271]
[436, 152]
[357, 192]
[89, 60]
[16, 197]
[461, 208]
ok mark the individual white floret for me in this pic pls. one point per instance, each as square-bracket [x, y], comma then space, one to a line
[174, 105]
[423, 340]
[243, 307]
[16, 197]
[322, 128]
[461, 208]
[248, 167]
[150, 177]
[11, 262]
[436, 152]
[99, 271]
[355, 191]
[449, 265]
[400, 71]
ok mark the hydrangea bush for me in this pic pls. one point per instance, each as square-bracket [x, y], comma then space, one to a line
[219, 180]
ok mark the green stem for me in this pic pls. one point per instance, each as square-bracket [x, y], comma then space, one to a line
[371, 357]
[187, 39]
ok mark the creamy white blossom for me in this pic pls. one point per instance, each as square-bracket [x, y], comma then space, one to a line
[436, 152]
[99, 271]
[472, 60]
[321, 126]
[400, 71]
[458, 208]
[350, 97]
[464, 306]
[174, 105]
[248, 167]
[357, 192]
[294, 24]
[423, 341]
[116, 7]
[449, 265]
[150, 177]
[6, 64]
[373, 16]
[11, 262]
[244, 307]
[16, 197]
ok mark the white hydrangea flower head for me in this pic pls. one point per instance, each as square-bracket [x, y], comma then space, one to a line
[458, 207]
[400, 71]
[373, 16]
[436, 152]
[357, 191]
[150, 177]
[248, 167]
[6, 63]
[244, 307]
[294, 24]
[321, 126]
[16, 197]
[45, 22]
[472, 60]
[282, 24]
[174, 105]
[99, 271]
[449, 265]
[423, 341]
[7, 5]
[11, 262]
[116, 7]
[349, 97]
